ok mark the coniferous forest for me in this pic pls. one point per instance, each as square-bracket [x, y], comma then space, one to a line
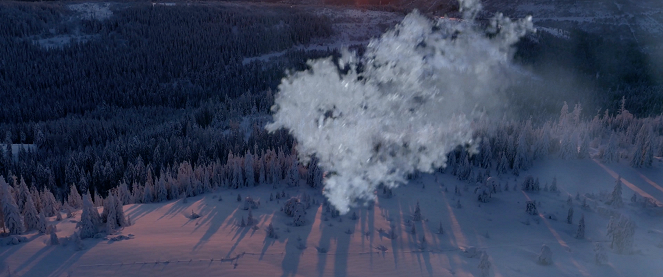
[154, 93]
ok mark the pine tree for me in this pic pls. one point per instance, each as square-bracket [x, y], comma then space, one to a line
[36, 198]
[417, 213]
[569, 217]
[553, 186]
[119, 214]
[621, 230]
[50, 205]
[42, 223]
[123, 194]
[13, 220]
[293, 173]
[600, 256]
[23, 195]
[616, 195]
[87, 225]
[250, 220]
[148, 197]
[545, 257]
[110, 214]
[610, 154]
[643, 156]
[262, 177]
[30, 215]
[74, 200]
[484, 264]
[580, 233]
[54, 237]
[249, 170]
[161, 192]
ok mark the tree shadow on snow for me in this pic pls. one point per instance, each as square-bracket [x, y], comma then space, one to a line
[56, 260]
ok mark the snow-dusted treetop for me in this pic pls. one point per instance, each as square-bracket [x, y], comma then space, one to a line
[402, 106]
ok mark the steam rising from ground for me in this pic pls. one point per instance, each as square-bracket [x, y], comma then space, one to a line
[401, 107]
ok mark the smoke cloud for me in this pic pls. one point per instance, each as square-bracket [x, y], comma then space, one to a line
[402, 106]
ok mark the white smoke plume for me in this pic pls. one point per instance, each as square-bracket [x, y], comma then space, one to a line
[402, 106]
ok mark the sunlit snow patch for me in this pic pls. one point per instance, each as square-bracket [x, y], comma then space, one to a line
[402, 106]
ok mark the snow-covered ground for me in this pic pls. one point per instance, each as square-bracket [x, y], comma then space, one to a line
[165, 241]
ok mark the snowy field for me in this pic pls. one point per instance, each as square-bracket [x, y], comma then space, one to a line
[165, 240]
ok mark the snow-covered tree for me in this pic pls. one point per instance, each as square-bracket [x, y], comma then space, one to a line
[136, 193]
[30, 215]
[600, 256]
[545, 257]
[54, 237]
[569, 217]
[161, 194]
[553, 186]
[42, 223]
[36, 197]
[123, 193]
[148, 196]
[110, 214]
[87, 226]
[621, 230]
[74, 199]
[23, 195]
[417, 213]
[483, 192]
[484, 264]
[271, 233]
[249, 170]
[293, 173]
[610, 152]
[616, 195]
[531, 208]
[643, 156]
[13, 219]
[262, 177]
[50, 205]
